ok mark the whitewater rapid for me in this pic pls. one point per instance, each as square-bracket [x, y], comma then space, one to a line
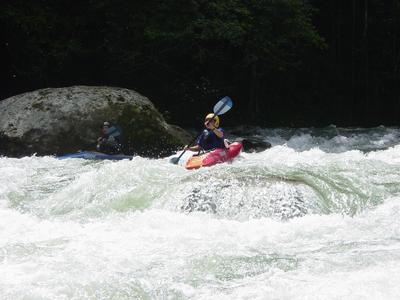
[317, 216]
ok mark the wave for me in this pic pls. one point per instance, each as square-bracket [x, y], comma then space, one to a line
[283, 223]
[279, 183]
[331, 139]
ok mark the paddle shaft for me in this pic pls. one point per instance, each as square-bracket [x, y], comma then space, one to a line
[179, 157]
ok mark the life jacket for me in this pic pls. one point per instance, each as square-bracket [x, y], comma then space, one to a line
[208, 140]
[114, 132]
[111, 143]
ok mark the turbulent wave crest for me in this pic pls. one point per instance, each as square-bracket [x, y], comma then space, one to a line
[280, 183]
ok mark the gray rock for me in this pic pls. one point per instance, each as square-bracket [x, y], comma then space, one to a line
[255, 144]
[63, 120]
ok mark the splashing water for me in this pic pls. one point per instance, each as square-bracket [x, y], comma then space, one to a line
[317, 216]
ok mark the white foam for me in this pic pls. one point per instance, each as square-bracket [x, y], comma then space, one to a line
[286, 223]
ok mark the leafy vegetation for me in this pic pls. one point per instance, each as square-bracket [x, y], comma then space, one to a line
[284, 62]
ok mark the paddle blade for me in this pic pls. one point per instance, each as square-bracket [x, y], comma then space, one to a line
[223, 106]
[174, 160]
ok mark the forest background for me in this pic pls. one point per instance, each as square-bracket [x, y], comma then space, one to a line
[284, 62]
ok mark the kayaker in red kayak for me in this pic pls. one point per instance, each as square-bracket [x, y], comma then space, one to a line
[212, 136]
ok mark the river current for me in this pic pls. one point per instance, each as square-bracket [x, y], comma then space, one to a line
[317, 216]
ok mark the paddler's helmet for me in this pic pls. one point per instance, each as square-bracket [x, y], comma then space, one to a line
[213, 116]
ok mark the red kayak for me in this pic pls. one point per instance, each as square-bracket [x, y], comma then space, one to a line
[214, 157]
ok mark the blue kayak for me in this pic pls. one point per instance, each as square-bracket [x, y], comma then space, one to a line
[95, 155]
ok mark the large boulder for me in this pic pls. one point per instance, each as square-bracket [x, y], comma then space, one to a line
[62, 120]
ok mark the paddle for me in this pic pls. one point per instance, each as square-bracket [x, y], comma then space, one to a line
[220, 108]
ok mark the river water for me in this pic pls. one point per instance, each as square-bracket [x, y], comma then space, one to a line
[317, 216]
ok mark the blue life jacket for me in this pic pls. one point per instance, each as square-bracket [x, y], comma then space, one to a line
[111, 141]
[115, 132]
[208, 140]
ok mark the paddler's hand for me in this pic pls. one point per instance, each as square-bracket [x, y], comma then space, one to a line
[209, 125]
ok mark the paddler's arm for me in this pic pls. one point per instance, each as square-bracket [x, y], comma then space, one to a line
[192, 148]
[218, 133]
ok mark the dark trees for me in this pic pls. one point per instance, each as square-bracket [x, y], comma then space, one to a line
[284, 62]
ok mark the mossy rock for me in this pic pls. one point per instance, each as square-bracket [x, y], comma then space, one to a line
[65, 120]
[146, 133]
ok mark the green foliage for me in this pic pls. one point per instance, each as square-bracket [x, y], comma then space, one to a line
[184, 54]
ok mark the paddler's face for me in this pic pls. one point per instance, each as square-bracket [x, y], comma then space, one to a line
[209, 123]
